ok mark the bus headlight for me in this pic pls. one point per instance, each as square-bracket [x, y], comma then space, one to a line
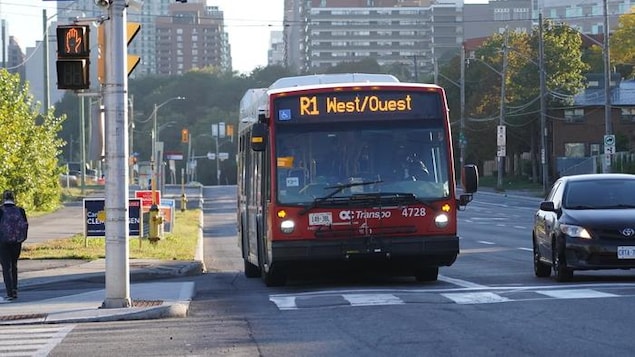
[441, 220]
[287, 226]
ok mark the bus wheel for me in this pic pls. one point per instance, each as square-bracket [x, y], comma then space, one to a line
[251, 270]
[427, 274]
[274, 277]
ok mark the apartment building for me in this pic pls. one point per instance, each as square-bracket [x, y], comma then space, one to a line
[585, 15]
[191, 36]
[417, 33]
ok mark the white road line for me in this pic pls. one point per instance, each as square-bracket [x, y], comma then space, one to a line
[485, 242]
[461, 283]
[575, 293]
[27, 340]
[476, 298]
[284, 302]
[372, 299]
[527, 249]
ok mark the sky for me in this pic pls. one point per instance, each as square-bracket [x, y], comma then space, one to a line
[248, 23]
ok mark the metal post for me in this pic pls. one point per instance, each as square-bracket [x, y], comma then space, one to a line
[543, 107]
[82, 144]
[217, 161]
[115, 90]
[462, 141]
[153, 160]
[501, 122]
[131, 138]
[45, 58]
[608, 125]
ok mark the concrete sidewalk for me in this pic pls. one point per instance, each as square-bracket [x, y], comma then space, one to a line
[51, 291]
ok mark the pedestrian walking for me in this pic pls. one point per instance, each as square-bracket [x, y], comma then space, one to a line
[13, 231]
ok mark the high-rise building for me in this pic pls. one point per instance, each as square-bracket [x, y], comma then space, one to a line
[191, 36]
[15, 58]
[585, 15]
[144, 44]
[275, 55]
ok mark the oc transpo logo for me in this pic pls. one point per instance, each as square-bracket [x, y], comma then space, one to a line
[346, 215]
[350, 215]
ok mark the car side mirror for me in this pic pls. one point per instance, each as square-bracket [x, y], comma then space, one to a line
[547, 206]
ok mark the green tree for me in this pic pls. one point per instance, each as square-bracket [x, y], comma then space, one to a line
[622, 45]
[564, 70]
[29, 147]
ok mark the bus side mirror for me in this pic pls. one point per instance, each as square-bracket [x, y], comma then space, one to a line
[258, 137]
[469, 178]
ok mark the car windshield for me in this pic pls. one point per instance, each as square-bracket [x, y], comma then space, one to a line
[342, 160]
[599, 194]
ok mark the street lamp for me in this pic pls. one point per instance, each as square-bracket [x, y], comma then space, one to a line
[155, 134]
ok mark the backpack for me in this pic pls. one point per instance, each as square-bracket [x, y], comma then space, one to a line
[13, 226]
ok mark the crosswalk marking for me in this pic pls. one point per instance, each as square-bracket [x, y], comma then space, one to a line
[458, 296]
[372, 299]
[575, 294]
[475, 298]
[31, 340]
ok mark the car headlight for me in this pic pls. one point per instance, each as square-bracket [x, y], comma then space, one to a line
[441, 220]
[287, 226]
[574, 231]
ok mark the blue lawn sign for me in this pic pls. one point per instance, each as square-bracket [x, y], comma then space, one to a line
[94, 217]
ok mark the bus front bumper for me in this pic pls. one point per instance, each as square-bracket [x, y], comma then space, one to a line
[432, 251]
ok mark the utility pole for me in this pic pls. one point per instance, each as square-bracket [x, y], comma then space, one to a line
[462, 141]
[45, 59]
[608, 125]
[115, 93]
[543, 108]
[501, 132]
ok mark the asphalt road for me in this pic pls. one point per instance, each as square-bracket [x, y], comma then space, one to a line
[488, 303]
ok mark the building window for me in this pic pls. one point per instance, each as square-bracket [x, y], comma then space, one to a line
[574, 149]
[628, 115]
[574, 115]
[501, 14]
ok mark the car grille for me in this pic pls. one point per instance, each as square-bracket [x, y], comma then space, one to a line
[614, 235]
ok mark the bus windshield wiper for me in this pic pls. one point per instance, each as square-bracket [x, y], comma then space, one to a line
[336, 189]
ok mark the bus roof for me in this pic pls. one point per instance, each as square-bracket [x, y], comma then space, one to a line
[255, 100]
[332, 79]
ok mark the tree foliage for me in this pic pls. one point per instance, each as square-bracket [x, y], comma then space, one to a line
[29, 147]
[622, 44]
[564, 71]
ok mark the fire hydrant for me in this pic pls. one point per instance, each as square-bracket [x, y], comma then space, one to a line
[183, 202]
[156, 222]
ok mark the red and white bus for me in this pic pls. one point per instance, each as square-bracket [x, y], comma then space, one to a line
[351, 169]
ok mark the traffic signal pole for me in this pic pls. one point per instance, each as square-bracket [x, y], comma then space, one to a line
[115, 95]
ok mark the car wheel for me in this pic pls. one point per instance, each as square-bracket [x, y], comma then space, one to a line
[560, 269]
[542, 270]
[427, 274]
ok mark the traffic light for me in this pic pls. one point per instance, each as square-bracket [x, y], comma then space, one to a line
[185, 135]
[73, 57]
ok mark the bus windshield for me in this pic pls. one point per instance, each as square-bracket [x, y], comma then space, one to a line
[315, 161]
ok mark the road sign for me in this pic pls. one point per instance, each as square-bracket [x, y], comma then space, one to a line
[501, 151]
[500, 135]
[609, 144]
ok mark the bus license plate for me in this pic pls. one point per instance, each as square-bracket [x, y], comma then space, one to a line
[320, 219]
[625, 252]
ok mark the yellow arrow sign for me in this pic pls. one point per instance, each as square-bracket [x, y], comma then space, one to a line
[132, 29]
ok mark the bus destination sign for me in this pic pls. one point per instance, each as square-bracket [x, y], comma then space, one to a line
[358, 105]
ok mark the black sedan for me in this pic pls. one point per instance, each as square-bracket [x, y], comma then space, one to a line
[587, 222]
